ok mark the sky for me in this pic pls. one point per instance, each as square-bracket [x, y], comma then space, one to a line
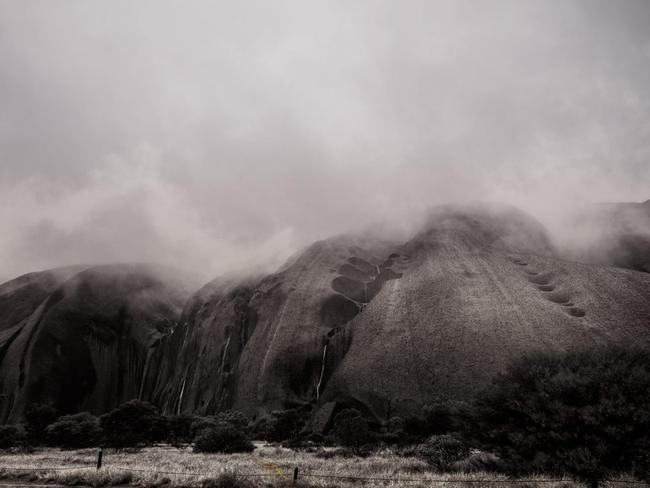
[218, 135]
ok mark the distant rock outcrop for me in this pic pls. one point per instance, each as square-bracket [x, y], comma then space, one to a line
[82, 339]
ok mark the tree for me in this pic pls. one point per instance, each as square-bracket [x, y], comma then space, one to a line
[179, 428]
[583, 413]
[37, 417]
[223, 438]
[75, 431]
[285, 425]
[351, 428]
[132, 423]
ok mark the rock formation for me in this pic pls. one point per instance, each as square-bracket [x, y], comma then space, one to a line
[353, 320]
[82, 339]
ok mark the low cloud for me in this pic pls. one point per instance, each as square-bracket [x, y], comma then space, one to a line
[217, 137]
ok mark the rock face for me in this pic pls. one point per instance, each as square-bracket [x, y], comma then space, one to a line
[387, 327]
[82, 339]
[350, 321]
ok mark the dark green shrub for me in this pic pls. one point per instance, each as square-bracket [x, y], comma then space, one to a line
[440, 417]
[12, 436]
[179, 428]
[415, 427]
[37, 417]
[202, 423]
[284, 425]
[75, 431]
[227, 480]
[223, 438]
[442, 451]
[444, 417]
[582, 413]
[130, 424]
[233, 417]
[350, 428]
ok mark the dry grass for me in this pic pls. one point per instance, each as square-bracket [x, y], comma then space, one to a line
[266, 466]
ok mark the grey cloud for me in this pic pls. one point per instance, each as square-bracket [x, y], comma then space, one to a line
[220, 135]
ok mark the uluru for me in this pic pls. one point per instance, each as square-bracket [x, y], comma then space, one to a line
[378, 324]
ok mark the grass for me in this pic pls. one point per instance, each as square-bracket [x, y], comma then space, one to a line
[265, 467]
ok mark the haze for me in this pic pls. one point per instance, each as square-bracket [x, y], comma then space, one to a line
[216, 136]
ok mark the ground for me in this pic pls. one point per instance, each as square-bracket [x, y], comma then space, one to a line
[166, 466]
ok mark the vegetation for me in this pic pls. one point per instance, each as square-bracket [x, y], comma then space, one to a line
[273, 465]
[179, 429]
[584, 413]
[12, 436]
[233, 417]
[131, 424]
[442, 452]
[74, 431]
[283, 425]
[223, 438]
[37, 418]
[227, 480]
[351, 428]
[440, 417]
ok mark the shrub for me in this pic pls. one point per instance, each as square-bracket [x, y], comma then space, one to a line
[480, 462]
[415, 427]
[227, 480]
[284, 425]
[130, 424]
[12, 436]
[350, 428]
[37, 417]
[74, 431]
[200, 424]
[582, 413]
[223, 438]
[179, 428]
[440, 417]
[233, 417]
[444, 417]
[442, 451]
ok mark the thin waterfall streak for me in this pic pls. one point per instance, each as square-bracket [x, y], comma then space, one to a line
[322, 372]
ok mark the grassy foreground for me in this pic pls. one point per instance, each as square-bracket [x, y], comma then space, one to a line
[266, 466]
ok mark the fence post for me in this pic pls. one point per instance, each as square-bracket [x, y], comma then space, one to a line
[295, 475]
[99, 459]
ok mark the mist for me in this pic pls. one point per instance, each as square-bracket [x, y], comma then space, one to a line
[220, 136]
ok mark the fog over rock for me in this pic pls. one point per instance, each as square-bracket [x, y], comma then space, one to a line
[390, 326]
[312, 165]
[215, 136]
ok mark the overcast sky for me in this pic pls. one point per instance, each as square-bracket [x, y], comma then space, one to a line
[217, 135]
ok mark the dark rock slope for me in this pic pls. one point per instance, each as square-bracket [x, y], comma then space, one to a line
[82, 339]
[383, 326]
[388, 327]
